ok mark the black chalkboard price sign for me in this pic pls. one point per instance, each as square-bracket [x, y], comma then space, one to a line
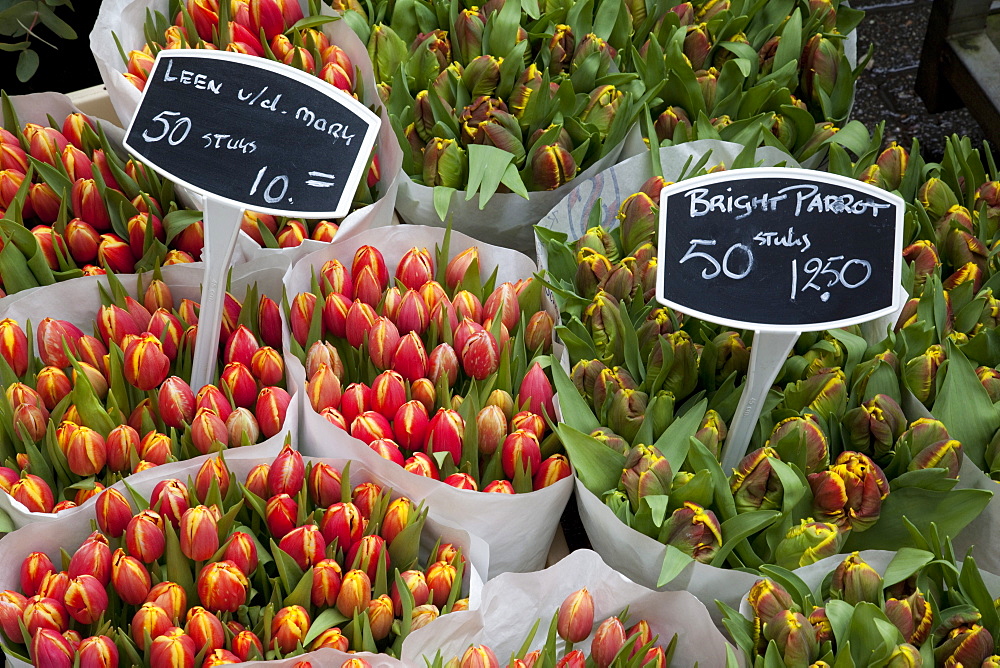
[253, 132]
[779, 249]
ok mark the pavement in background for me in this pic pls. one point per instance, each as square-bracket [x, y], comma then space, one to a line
[885, 89]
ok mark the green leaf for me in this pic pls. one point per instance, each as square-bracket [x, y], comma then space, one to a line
[598, 466]
[54, 23]
[965, 408]
[674, 561]
[906, 562]
[741, 527]
[325, 620]
[27, 64]
[950, 511]
[442, 200]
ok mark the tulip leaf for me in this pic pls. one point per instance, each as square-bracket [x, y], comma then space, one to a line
[965, 408]
[951, 511]
[302, 593]
[739, 528]
[598, 466]
[288, 570]
[178, 568]
[442, 199]
[674, 561]
[325, 620]
[573, 406]
[971, 581]
[699, 457]
[905, 562]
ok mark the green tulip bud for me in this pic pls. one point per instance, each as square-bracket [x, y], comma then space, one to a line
[794, 636]
[647, 472]
[855, 581]
[639, 215]
[627, 412]
[920, 374]
[468, 33]
[585, 375]
[712, 432]
[874, 426]
[799, 434]
[611, 439]
[667, 122]
[912, 615]
[807, 543]
[482, 74]
[601, 108]
[387, 51]
[904, 656]
[767, 598]
[693, 530]
[697, 45]
[445, 164]
[754, 484]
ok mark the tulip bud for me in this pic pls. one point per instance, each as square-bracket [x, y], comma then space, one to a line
[342, 524]
[129, 578]
[767, 599]
[222, 587]
[98, 652]
[647, 472]
[272, 404]
[50, 648]
[808, 543]
[576, 616]
[440, 577]
[608, 640]
[912, 616]
[145, 537]
[794, 637]
[355, 593]
[199, 533]
[445, 432]
[113, 512]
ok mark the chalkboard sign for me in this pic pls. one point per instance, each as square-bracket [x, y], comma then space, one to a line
[779, 249]
[253, 132]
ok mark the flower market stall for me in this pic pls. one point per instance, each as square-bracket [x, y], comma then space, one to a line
[559, 334]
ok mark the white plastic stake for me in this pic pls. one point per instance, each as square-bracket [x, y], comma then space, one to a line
[767, 354]
[222, 225]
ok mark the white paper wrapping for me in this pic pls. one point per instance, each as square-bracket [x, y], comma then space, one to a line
[78, 301]
[640, 558]
[518, 527]
[512, 602]
[506, 220]
[125, 19]
[69, 532]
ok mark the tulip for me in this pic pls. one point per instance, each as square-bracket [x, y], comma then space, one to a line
[246, 645]
[222, 586]
[326, 583]
[647, 472]
[50, 648]
[966, 642]
[129, 578]
[793, 636]
[300, 316]
[576, 616]
[281, 514]
[324, 484]
[146, 366]
[754, 484]
[855, 581]
[444, 163]
[85, 599]
[808, 543]
[767, 599]
[150, 619]
[98, 652]
[52, 385]
[51, 336]
[113, 512]
[211, 397]
[175, 402]
[608, 640]
[460, 265]
[199, 533]
[304, 544]
[410, 358]
[93, 557]
[912, 615]
[272, 404]
[343, 524]
[205, 629]
[440, 577]
[445, 433]
[536, 392]
[145, 537]
[850, 494]
[172, 648]
[242, 551]
[920, 374]
[171, 597]
[355, 593]
[34, 493]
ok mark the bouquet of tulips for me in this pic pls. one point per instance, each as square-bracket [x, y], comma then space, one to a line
[917, 607]
[385, 334]
[274, 29]
[72, 206]
[81, 410]
[241, 561]
[647, 420]
[443, 374]
[742, 73]
[610, 621]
